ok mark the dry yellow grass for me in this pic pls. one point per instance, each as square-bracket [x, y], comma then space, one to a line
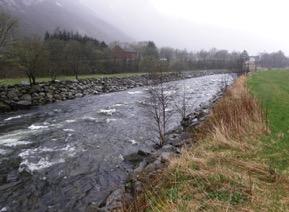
[222, 172]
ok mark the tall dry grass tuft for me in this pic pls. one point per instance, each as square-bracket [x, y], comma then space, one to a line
[222, 172]
[238, 114]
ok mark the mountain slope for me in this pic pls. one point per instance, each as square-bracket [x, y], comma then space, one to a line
[38, 16]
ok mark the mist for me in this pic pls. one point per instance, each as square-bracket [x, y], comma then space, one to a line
[195, 25]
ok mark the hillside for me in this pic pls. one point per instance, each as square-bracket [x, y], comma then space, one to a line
[38, 16]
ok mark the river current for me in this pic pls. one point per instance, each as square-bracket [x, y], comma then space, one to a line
[67, 155]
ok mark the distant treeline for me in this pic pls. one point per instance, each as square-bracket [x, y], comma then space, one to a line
[272, 60]
[70, 53]
[64, 35]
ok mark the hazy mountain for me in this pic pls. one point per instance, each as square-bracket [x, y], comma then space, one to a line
[38, 16]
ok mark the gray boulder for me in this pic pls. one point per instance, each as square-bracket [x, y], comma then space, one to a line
[26, 97]
[49, 96]
[35, 88]
[21, 105]
[155, 166]
[78, 95]
[166, 156]
[114, 202]
[12, 94]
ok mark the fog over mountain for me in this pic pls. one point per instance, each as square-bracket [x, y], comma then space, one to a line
[192, 24]
[38, 16]
[256, 26]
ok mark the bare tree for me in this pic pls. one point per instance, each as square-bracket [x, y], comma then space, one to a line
[159, 103]
[225, 82]
[75, 56]
[182, 106]
[7, 26]
[32, 57]
[55, 57]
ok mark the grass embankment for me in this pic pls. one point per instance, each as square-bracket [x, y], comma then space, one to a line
[13, 81]
[226, 170]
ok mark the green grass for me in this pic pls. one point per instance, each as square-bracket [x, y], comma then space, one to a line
[13, 81]
[272, 89]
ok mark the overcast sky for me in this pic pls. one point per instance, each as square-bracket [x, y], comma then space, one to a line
[254, 25]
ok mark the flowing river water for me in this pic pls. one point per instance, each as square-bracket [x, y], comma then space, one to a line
[67, 155]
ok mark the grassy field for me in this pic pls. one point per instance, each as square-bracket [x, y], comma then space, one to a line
[240, 159]
[13, 81]
[272, 89]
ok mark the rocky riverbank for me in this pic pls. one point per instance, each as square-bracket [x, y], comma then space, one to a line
[150, 164]
[24, 96]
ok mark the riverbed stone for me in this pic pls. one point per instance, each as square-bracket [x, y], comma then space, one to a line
[27, 97]
[21, 105]
[114, 202]
[49, 95]
[134, 158]
[70, 95]
[140, 168]
[152, 167]
[170, 148]
[12, 93]
[78, 95]
[143, 153]
[166, 156]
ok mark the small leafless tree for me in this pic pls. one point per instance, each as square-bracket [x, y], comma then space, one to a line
[76, 57]
[55, 57]
[225, 82]
[7, 26]
[182, 105]
[32, 57]
[159, 102]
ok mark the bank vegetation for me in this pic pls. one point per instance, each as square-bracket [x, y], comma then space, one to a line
[224, 170]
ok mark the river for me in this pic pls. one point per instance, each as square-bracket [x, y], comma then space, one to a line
[67, 155]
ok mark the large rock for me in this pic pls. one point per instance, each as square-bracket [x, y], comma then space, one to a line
[167, 156]
[21, 105]
[12, 94]
[26, 97]
[49, 96]
[42, 94]
[170, 148]
[157, 165]
[78, 95]
[70, 95]
[136, 158]
[35, 88]
[114, 202]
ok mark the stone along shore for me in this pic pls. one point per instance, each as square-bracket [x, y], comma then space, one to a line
[20, 96]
